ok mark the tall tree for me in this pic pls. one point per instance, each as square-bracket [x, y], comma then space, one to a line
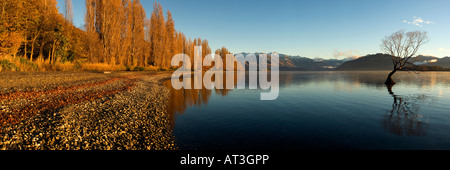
[169, 39]
[180, 40]
[68, 12]
[147, 43]
[138, 34]
[223, 53]
[157, 35]
[92, 38]
[115, 32]
[402, 46]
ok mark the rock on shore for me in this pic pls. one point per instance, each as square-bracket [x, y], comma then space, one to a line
[127, 113]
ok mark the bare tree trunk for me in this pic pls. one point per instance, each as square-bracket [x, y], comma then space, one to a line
[32, 52]
[389, 80]
[25, 48]
[32, 46]
[49, 57]
[41, 50]
[389, 88]
[3, 9]
[53, 52]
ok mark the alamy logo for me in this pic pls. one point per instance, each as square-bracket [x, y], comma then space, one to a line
[257, 70]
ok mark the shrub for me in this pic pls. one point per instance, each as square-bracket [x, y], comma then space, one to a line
[66, 66]
[128, 67]
[137, 68]
[77, 65]
[7, 66]
[151, 68]
[27, 65]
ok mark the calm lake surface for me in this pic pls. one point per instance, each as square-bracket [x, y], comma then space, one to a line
[319, 110]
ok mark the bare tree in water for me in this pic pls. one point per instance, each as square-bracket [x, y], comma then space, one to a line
[402, 46]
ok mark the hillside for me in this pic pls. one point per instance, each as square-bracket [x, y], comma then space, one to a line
[377, 62]
[298, 63]
[441, 62]
[372, 62]
[368, 63]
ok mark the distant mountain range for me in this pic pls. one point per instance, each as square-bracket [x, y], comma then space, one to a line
[373, 62]
[298, 63]
[384, 62]
[368, 63]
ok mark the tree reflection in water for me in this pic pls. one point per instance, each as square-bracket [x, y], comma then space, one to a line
[182, 99]
[403, 119]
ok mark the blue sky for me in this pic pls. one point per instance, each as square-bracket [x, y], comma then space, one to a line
[313, 28]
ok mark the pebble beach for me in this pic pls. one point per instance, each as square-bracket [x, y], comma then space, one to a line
[85, 111]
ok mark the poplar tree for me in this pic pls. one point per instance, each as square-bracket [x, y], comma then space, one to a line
[169, 39]
[157, 30]
[68, 12]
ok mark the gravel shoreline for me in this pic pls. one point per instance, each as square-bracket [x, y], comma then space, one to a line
[85, 111]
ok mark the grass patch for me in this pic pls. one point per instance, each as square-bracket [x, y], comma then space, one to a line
[101, 67]
[9, 63]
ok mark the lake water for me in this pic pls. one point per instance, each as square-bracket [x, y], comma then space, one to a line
[318, 110]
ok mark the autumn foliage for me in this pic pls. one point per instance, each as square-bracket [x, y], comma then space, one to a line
[117, 34]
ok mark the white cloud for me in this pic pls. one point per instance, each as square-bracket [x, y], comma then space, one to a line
[349, 54]
[418, 21]
[432, 61]
[426, 62]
